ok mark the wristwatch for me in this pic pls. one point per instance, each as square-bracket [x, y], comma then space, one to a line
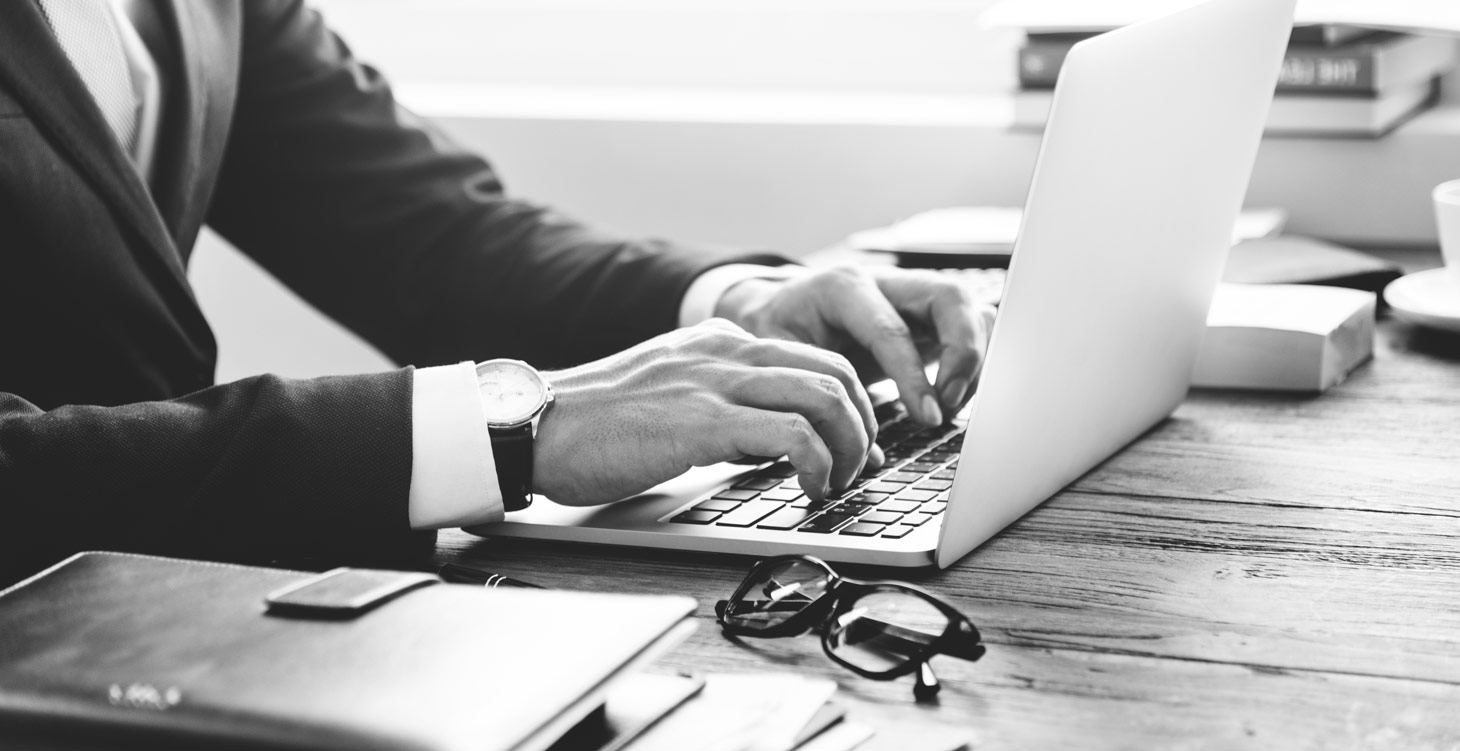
[514, 396]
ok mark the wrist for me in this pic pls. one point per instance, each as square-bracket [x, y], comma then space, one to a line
[743, 301]
[544, 448]
[552, 437]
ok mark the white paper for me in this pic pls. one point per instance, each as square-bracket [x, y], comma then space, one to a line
[742, 712]
[993, 229]
[843, 736]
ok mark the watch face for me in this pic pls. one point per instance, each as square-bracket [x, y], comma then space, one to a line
[511, 391]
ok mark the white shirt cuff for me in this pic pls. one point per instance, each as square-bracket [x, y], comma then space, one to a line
[705, 291]
[453, 475]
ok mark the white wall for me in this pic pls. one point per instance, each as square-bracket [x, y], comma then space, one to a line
[810, 119]
[262, 327]
[797, 187]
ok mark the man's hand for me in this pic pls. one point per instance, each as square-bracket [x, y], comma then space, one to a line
[698, 396]
[890, 322]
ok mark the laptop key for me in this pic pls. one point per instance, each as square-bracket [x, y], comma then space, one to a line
[889, 410]
[862, 529]
[758, 483]
[749, 513]
[933, 507]
[782, 494]
[934, 485]
[826, 523]
[903, 477]
[922, 467]
[855, 508]
[869, 497]
[695, 516]
[884, 487]
[895, 433]
[944, 474]
[881, 517]
[718, 507]
[897, 531]
[736, 494]
[871, 475]
[787, 518]
[916, 496]
[898, 507]
[779, 469]
[916, 520]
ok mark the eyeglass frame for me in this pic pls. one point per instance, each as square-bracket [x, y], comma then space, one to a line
[959, 639]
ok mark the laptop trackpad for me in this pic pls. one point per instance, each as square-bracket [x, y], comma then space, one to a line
[643, 510]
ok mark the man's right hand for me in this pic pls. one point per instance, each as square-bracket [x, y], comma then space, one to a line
[698, 396]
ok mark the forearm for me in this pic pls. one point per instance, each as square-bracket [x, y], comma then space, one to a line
[257, 469]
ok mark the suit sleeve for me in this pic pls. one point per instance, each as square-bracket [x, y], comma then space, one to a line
[387, 226]
[260, 469]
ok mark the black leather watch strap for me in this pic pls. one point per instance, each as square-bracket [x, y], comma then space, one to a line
[512, 452]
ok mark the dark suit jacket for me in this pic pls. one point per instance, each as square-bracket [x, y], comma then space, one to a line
[111, 432]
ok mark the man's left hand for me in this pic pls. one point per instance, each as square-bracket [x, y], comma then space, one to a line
[889, 322]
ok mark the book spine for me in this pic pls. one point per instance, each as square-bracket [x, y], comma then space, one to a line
[1317, 69]
[1305, 69]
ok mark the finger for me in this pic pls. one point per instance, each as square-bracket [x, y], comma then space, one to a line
[962, 329]
[772, 352]
[821, 399]
[986, 315]
[865, 313]
[960, 323]
[759, 432]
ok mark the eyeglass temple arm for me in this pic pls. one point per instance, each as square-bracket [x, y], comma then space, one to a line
[964, 646]
[722, 606]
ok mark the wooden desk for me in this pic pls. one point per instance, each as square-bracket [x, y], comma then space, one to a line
[1259, 571]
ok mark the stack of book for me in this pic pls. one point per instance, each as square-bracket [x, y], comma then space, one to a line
[1335, 80]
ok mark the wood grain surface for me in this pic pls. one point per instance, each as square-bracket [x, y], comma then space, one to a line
[1259, 571]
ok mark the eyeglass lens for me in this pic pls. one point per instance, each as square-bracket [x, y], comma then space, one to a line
[883, 630]
[777, 593]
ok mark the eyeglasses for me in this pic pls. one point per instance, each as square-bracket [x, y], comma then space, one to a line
[878, 629]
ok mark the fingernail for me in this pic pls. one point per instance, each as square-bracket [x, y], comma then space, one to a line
[876, 458]
[931, 413]
[954, 392]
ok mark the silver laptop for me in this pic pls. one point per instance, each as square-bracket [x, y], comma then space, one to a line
[1143, 168]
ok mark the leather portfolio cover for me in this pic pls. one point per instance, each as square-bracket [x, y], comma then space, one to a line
[111, 650]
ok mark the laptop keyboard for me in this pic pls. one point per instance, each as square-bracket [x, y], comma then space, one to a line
[909, 491]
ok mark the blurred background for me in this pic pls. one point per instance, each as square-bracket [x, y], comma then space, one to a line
[783, 124]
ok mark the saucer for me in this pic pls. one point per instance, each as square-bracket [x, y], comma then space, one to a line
[1428, 298]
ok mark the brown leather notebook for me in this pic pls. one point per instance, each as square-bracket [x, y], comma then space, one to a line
[110, 650]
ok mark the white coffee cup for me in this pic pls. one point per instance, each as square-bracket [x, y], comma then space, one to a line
[1447, 217]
